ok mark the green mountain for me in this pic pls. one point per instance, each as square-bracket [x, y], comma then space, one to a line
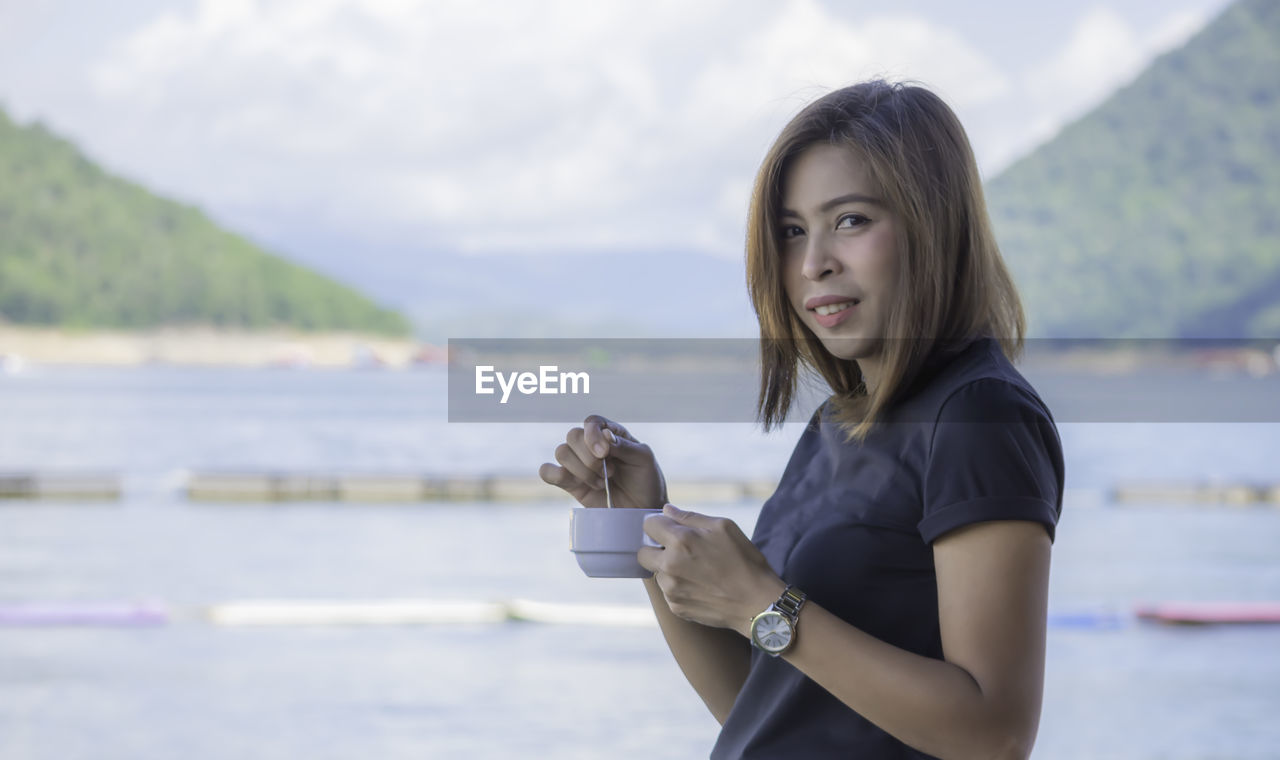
[81, 248]
[1158, 213]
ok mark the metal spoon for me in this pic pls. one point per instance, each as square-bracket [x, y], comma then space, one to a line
[608, 499]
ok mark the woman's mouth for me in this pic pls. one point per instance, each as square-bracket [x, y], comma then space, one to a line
[833, 308]
[832, 314]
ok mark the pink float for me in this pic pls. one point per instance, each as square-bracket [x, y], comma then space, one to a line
[1206, 613]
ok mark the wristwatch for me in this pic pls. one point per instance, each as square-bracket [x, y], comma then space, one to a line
[774, 630]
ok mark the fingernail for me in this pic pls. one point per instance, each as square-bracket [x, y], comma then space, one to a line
[599, 449]
[612, 438]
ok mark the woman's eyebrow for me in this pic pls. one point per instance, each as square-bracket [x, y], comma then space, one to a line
[850, 198]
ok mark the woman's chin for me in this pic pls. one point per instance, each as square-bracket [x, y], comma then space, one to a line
[849, 348]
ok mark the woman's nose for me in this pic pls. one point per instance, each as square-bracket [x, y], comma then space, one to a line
[819, 259]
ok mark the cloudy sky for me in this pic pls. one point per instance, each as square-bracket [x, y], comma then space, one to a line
[569, 125]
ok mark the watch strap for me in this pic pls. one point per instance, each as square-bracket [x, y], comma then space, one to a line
[790, 602]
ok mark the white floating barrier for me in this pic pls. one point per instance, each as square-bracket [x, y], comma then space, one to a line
[626, 616]
[425, 612]
[384, 612]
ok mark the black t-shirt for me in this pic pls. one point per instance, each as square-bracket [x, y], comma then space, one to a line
[852, 525]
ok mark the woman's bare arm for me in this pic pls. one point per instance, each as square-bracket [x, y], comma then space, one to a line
[981, 701]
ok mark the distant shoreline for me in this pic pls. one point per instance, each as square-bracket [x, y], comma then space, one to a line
[191, 346]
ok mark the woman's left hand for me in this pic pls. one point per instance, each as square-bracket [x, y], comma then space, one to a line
[708, 570]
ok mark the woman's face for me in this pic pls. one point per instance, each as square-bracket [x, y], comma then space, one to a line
[839, 252]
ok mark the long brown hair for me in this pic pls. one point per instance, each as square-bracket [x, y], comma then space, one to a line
[952, 283]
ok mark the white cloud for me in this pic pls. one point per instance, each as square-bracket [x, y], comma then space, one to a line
[501, 125]
[1101, 53]
[1174, 30]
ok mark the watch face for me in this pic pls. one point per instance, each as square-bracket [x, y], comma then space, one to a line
[772, 631]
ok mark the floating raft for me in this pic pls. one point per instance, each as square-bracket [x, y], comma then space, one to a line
[1209, 613]
[110, 614]
[66, 486]
[1088, 619]
[1229, 494]
[306, 486]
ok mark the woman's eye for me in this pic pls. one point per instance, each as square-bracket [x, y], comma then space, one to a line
[789, 231]
[851, 220]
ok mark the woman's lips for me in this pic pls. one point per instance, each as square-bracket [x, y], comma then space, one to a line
[828, 300]
[832, 319]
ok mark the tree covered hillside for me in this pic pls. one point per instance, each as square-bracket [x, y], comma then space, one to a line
[81, 248]
[1158, 213]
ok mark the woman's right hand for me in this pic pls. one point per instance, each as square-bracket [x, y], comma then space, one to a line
[635, 480]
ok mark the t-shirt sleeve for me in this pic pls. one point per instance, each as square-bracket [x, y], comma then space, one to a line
[995, 455]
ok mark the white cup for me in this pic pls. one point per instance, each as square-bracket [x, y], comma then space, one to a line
[605, 541]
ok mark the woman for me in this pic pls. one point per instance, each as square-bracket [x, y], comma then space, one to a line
[892, 600]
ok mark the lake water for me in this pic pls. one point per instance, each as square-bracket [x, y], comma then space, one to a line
[197, 690]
